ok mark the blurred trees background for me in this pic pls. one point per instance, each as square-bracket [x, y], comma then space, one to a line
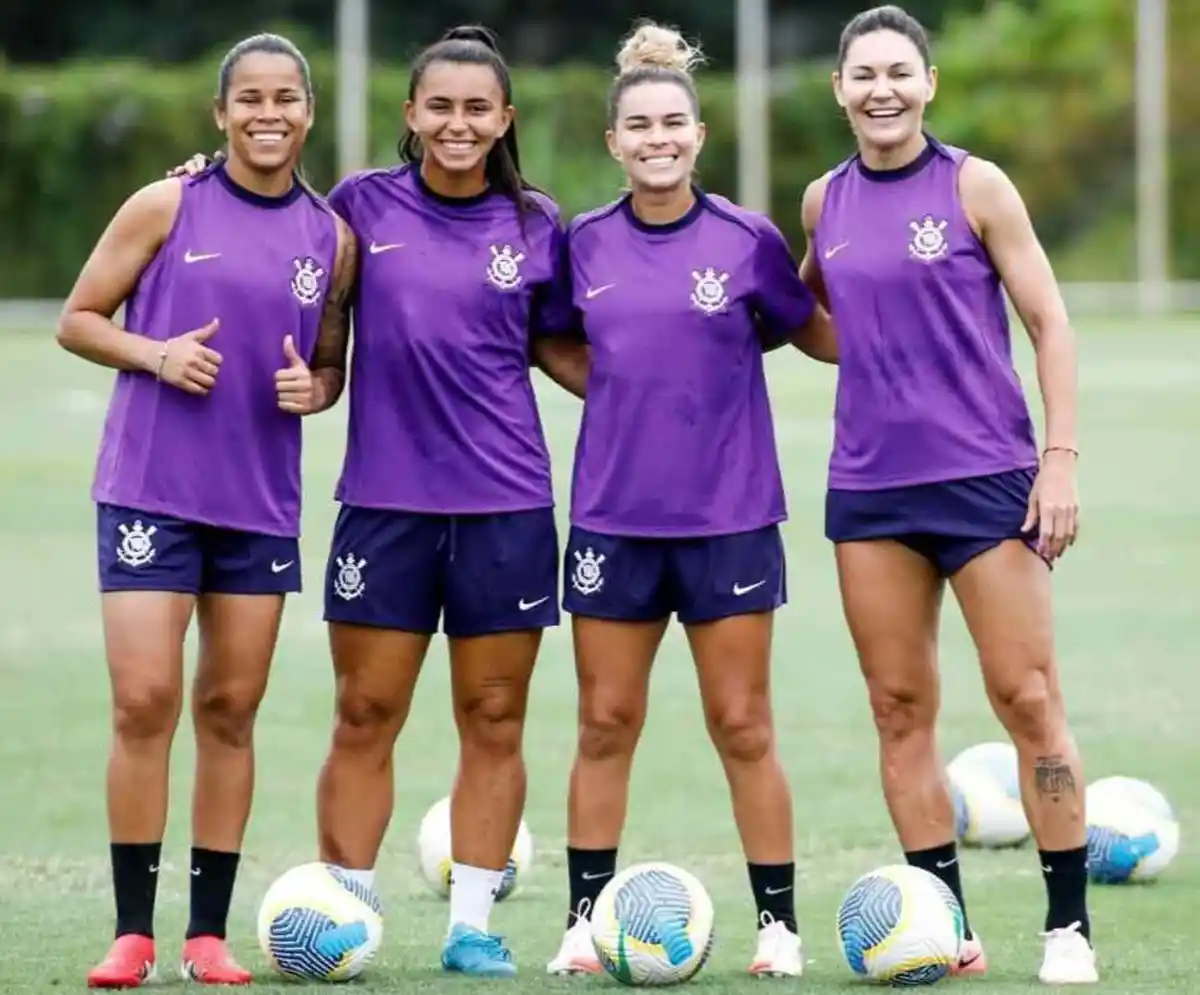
[100, 99]
[545, 32]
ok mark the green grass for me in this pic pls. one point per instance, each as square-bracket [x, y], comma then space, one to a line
[1128, 603]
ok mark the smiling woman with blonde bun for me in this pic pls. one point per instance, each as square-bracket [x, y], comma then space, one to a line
[677, 495]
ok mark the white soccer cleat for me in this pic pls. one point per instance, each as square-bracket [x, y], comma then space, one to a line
[779, 954]
[577, 955]
[1069, 958]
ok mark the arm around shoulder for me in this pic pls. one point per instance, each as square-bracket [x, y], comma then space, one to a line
[818, 338]
[127, 246]
[333, 339]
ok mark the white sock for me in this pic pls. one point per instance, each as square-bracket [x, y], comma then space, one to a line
[365, 878]
[472, 895]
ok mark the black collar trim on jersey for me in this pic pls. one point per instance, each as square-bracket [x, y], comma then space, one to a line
[441, 198]
[258, 199]
[693, 214]
[928, 154]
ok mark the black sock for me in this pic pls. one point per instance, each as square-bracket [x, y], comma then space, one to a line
[589, 871]
[942, 862]
[1065, 874]
[213, 874]
[774, 887]
[135, 885]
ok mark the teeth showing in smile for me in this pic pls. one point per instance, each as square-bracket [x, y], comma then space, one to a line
[889, 113]
[659, 160]
[268, 137]
[453, 146]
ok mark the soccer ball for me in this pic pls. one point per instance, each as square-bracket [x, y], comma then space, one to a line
[985, 787]
[900, 925]
[652, 925]
[433, 850]
[1133, 833]
[315, 924]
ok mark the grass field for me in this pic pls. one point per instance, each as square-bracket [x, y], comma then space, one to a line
[1128, 609]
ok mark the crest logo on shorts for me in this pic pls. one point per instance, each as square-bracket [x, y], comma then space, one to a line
[587, 577]
[928, 243]
[709, 293]
[306, 283]
[504, 271]
[349, 583]
[136, 548]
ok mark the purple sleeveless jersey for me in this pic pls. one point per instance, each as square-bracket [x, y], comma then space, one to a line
[443, 418]
[232, 459]
[677, 438]
[926, 387]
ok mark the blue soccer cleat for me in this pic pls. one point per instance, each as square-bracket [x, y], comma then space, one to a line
[472, 951]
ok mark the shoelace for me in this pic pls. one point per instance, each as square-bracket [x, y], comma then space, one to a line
[491, 944]
[1076, 951]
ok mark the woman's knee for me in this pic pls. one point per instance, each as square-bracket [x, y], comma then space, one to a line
[146, 709]
[742, 729]
[902, 708]
[1028, 703]
[491, 716]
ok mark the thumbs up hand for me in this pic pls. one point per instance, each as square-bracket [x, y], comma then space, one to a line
[294, 384]
[188, 363]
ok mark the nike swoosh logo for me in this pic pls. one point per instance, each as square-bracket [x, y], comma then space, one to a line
[943, 864]
[375, 249]
[597, 291]
[738, 590]
[526, 605]
[777, 891]
[588, 876]
[830, 253]
[191, 257]
[277, 567]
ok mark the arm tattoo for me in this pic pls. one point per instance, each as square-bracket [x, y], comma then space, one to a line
[333, 339]
[1052, 776]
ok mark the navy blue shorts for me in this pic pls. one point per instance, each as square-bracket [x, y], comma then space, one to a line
[143, 551]
[480, 574]
[949, 522]
[634, 579]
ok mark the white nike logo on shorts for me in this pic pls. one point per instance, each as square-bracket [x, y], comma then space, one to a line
[278, 568]
[738, 590]
[527, 605]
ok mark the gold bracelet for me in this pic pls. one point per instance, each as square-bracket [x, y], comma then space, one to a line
[1060, 449]
[162, 360]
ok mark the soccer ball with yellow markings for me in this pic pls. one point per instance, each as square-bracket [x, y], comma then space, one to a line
[900, 925]
[653, 925]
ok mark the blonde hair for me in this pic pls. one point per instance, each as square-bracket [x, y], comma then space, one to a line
[653, 53]
[652, 46]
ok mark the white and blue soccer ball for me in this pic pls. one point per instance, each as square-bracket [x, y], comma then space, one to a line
[433, 852]
[900, 925]
[1132, 831]
[652, 925]
[316, 924]
[985, 787]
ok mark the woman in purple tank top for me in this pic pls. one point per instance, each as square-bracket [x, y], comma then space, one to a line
[234, 284]
[935, 474]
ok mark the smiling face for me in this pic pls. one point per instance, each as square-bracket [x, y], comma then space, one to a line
[459, 112]
[884, 85]
[266, 112]
[656, 136]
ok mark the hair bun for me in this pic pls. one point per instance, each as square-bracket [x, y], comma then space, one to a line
[473, 32]
[654, 46]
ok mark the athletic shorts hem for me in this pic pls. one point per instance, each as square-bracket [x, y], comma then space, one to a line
[387, 625]
[149, 587]
[617, 616]
[691, 618]
[497, 629]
